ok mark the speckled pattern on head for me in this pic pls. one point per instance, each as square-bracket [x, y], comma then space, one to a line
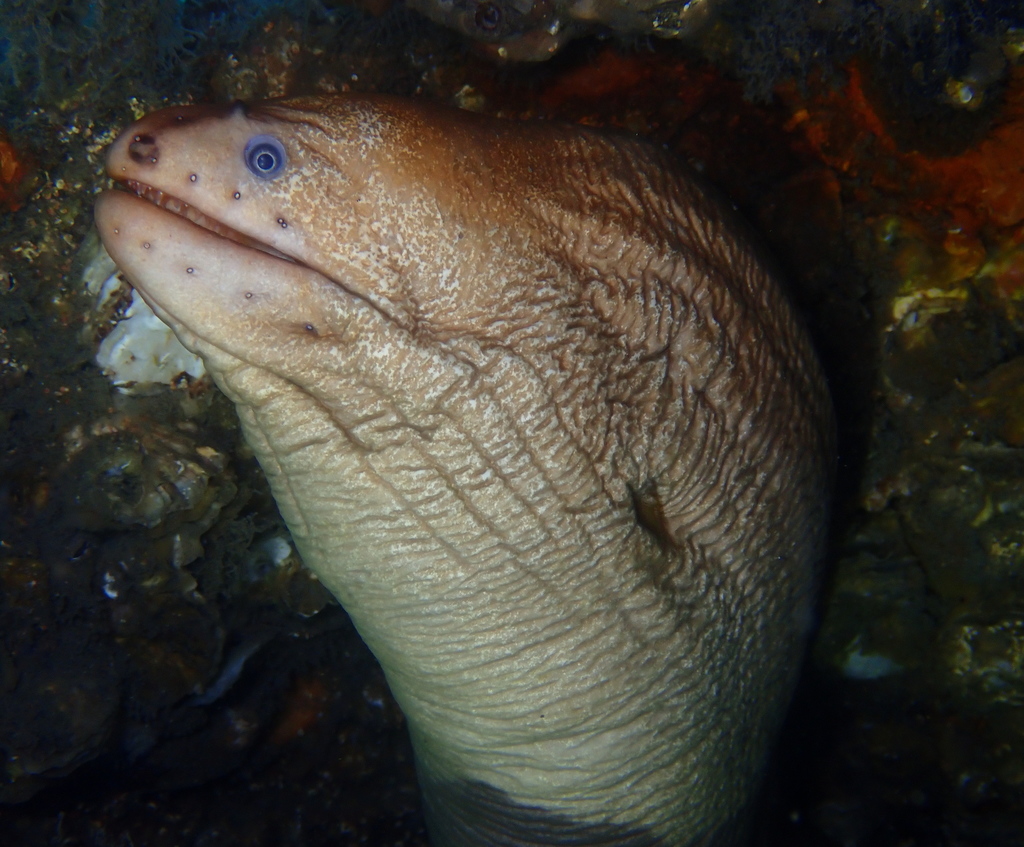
[536, 412]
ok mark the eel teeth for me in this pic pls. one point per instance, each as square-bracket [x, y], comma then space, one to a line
[179, 207]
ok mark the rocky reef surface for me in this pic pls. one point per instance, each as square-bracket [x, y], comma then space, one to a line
[169, 673]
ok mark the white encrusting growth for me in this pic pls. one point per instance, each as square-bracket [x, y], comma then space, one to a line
[142, 349]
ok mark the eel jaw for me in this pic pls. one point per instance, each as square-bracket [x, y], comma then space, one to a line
[179, 207]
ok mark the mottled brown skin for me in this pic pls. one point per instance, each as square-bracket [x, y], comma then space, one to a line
[537, 413]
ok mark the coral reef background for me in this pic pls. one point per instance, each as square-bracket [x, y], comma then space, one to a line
[169, 674]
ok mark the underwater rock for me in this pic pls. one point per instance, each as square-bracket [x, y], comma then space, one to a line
[534, 30]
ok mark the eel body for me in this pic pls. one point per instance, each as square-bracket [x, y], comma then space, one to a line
[536, 412]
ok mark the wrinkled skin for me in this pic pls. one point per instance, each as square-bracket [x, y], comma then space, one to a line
[534, 410]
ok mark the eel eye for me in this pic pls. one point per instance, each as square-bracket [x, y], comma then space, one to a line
[264, 156]
[488, 17]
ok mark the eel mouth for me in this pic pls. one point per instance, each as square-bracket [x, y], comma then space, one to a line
[179, 207]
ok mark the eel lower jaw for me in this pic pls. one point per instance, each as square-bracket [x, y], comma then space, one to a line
[185, 210]
[177, 206]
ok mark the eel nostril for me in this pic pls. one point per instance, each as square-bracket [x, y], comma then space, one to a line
[143, 148]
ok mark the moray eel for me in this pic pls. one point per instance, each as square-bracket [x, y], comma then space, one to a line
[536, 412]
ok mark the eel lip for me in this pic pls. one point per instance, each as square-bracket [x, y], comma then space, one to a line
[179, 207]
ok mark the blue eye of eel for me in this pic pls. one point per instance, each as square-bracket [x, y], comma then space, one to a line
[265, 156]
